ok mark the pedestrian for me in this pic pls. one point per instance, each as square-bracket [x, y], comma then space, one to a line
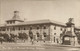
[32, 42]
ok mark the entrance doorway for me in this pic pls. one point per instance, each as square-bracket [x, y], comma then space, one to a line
[66, 40]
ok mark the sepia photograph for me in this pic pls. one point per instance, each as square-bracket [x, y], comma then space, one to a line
[39, 25]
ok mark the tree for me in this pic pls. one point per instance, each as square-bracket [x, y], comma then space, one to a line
[5, 36]
[12, 37]
[1, 38]
[78, 37]
[23, 36]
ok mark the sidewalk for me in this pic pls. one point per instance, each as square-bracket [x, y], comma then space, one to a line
[60, 45]
[19, 44]
[41, 45]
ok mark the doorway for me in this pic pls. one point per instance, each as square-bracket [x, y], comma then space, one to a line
[66, 40]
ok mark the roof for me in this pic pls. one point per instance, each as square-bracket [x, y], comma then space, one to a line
[38, 22]
[77, 27]
[69, 24]
[16, 17]
[68, 33]
[2, 25]
[15, 20]
[42, 21]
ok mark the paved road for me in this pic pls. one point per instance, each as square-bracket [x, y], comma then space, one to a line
[17, 47]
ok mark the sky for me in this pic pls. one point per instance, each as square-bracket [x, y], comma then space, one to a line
[57, 10]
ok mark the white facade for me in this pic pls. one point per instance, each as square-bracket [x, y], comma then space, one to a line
[49, 31]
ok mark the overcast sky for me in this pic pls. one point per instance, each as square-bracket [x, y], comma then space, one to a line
[58, 10]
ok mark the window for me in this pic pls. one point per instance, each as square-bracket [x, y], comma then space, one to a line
[44, 27]
[57, 40]
[54, 39]
[44, 41]
[13, 29]
[44, 34]
[37, 34]
[19, 28]
[37, 28]
[24, 28]
[64, 29]
[54, 33]
[7, 22]
[3, 29]
[55, 28]
[11, 22]
[10, 29]
[0, 29]
[7, 29]
[61, 29]
[30, 28]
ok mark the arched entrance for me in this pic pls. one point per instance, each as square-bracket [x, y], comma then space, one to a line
[66, 40]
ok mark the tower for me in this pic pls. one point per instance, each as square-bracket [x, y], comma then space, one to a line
[15, 19]
[70, 26]
[70, 37]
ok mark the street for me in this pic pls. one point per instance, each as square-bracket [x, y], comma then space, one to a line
[18, 47]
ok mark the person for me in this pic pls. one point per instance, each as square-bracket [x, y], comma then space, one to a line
[32, 42]
[1, 40]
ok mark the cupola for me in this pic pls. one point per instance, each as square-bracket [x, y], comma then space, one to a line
[15, 19]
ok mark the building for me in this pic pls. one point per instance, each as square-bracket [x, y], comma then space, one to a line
[44, 31]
